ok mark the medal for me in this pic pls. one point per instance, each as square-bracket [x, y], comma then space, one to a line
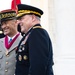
[20, 50]
[23, 48]
[20, 57]
[6, 52]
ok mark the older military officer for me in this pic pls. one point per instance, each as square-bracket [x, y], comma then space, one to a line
[34, 52]
[7, 45]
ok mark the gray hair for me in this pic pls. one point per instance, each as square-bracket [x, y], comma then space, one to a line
[38, 18]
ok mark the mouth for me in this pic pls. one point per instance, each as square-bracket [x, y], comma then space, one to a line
[5, 30]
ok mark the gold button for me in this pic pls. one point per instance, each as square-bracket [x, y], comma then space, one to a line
[6, 62]
[6, 52]
[7, 55]
[6, 70]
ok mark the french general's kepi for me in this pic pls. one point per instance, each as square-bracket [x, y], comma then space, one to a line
[7, 15]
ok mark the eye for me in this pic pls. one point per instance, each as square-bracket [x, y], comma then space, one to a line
[5, 22]
[21, 18]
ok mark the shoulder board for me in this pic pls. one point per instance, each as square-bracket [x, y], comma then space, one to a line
[37, 27]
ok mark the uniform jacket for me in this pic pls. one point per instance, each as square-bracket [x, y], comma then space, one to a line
[8, 59]
[34, 54]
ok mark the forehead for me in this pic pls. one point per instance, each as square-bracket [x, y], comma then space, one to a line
[24, 16]
[7, 21]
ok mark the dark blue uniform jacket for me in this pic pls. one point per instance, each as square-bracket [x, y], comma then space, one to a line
[34, 54]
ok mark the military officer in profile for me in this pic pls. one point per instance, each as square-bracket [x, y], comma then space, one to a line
[34, 52]
[9, 43]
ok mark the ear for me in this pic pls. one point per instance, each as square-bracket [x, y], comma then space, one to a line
[16, 22]
[33, 17]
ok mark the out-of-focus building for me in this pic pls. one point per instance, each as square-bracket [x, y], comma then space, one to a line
[59, 20]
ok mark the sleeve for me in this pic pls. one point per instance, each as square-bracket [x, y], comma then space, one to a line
[38, 52]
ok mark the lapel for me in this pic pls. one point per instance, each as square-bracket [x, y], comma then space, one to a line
[14, 45]
[16, 42]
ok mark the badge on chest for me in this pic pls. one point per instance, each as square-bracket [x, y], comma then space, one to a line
[21, 48]
[24, 57]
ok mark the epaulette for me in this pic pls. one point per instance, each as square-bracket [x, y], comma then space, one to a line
[37, 27]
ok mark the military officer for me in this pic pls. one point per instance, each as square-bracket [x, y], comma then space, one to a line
[7, 46]
[34, 52]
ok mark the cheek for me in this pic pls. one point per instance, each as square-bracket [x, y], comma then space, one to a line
[18, 21]
[28, 21]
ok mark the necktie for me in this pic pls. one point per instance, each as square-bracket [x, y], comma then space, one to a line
[10, 40]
